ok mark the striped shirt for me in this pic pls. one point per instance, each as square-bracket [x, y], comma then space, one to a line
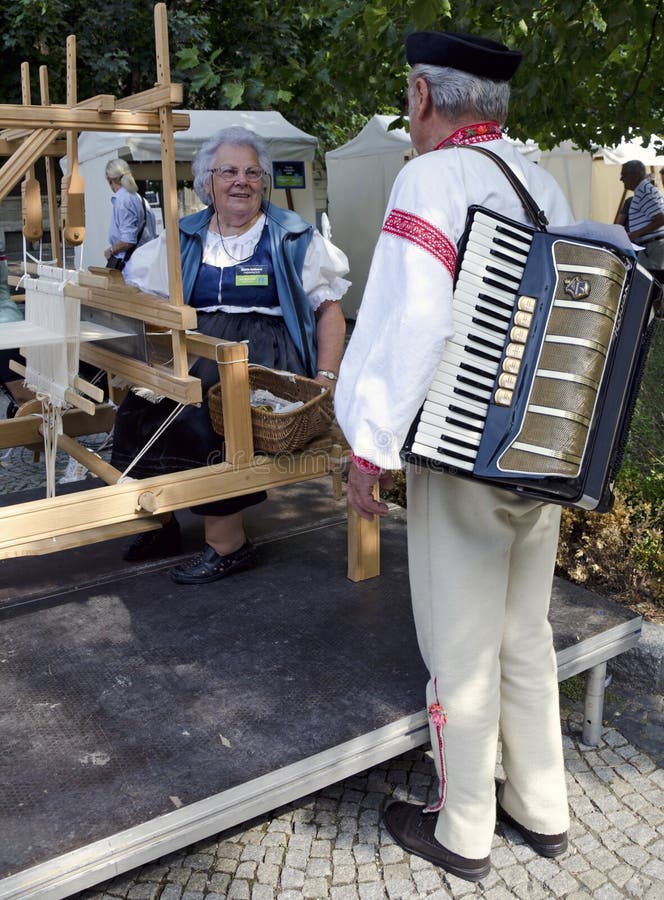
[646, 204]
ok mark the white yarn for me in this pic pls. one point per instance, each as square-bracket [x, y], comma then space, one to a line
[51, 368]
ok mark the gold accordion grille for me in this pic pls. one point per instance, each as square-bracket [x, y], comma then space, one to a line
[563, 393]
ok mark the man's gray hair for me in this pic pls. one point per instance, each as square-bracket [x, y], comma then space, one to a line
[635, 167]
[236, 136]
[455, 93]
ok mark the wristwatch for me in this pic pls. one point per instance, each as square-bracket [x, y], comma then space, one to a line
[327, 374]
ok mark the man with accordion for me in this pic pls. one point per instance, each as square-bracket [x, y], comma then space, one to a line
[481, 558]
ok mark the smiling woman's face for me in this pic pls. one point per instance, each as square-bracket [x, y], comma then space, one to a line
[239, 200]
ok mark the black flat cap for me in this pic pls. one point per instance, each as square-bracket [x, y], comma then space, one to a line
[455, 50]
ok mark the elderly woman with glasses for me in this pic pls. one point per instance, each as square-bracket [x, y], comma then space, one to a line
[255, 273]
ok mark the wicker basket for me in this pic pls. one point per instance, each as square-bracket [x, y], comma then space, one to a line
[281, 432]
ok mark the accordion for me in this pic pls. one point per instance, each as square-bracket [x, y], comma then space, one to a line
[536, 389]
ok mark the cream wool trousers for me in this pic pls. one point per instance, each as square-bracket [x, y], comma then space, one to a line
[481, 564]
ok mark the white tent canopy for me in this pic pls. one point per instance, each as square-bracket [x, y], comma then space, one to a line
[361, 173]
[285, 142]
[651, 155]
[359, 179]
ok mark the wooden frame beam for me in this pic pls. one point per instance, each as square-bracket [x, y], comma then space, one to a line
[27, 526]
[65, 118]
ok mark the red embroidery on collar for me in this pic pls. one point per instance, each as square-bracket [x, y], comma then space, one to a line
[473, 134]
[425, 235]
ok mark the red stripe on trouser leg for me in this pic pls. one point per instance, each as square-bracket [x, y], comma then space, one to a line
[438, 717]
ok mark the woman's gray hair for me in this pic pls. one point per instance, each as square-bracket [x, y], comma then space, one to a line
[456, 93]
[236, 136]
[118, 170]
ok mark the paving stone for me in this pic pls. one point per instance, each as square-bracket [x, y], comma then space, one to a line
[262, 892]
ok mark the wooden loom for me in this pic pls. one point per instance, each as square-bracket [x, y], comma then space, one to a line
[98, 514]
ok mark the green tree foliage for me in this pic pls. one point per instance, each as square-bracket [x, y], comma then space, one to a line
[592, 70]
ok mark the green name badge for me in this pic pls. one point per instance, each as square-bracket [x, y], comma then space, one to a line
[251, 276]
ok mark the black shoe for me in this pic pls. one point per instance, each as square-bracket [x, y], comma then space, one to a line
[413, 830]
[548, 845]
[164, 541]
[210, 565]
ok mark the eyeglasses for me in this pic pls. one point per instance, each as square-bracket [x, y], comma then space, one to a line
[230, 173]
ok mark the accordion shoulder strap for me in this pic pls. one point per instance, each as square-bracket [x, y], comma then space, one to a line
[537, 215]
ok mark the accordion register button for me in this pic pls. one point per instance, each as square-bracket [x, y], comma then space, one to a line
[503, 397]
[527, 304]
[507, 381]
[523, 319]
[519, 335]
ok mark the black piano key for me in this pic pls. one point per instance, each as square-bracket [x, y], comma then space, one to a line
[466, 412]
[488, 325]
[488, 311]
[460, 424]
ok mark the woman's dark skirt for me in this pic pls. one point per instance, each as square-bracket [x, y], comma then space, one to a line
[190, 441]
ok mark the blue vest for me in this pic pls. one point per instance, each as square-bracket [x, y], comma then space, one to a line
[289, 237]
[247, 284]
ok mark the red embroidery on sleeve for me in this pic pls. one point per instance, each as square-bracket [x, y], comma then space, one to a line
[423, 234]
[364, 465]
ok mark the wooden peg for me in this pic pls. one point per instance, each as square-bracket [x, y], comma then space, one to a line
[51, 193]
[31, 205]
[73, 192]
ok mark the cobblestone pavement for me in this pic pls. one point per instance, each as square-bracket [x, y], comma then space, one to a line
[332, 844]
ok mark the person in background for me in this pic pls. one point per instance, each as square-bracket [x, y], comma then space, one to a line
[645, 224]
[481, 559]
[255, 273]
[132, 221]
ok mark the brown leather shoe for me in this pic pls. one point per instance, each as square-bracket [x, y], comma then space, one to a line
[549, 845]
[413, 830]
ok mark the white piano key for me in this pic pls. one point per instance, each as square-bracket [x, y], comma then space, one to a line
[481, 270]
[443, 395]
[463, 324]
[436, 412]
[448, 367]
[430, 452]
[431, 425]
[470, 301]
[456, 354]
[482, 314]
[474, 347]
[477, 258]
[503, 228]
[444, 382]
[489, 243]
[475, 285]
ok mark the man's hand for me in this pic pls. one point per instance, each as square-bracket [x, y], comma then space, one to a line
[360, 492]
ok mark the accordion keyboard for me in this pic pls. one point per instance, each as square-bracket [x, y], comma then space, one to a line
[452, 419]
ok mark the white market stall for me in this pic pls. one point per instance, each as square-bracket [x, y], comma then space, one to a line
[359, 179]
[286, 144]
[360, 175]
